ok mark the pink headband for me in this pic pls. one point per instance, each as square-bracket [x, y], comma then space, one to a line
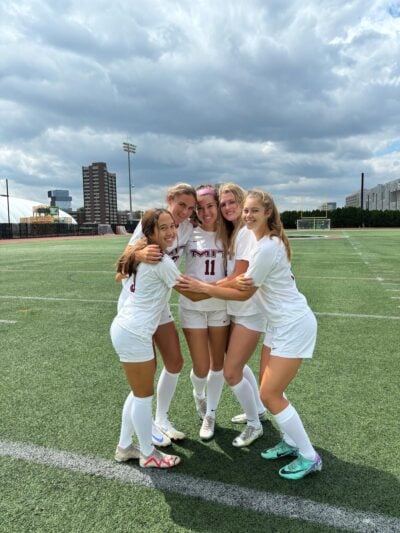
[205, 191]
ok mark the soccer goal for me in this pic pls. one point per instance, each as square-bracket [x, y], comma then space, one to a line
[314, 223]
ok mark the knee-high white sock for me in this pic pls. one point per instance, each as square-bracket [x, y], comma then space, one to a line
[127, 428]
[215, 383]
[290, 423]
[165, 391]
[251, 378]
[286, 437]
[199, 384]
[244, 393]
[141, 416]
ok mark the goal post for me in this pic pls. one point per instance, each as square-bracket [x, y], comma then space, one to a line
[314, 223]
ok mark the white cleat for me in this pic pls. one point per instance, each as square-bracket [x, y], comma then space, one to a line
[207, 428]
[159, 438]
[168, 429]
[242, 419]
[249, 435]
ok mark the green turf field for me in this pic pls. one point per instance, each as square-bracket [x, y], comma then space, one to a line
[62, 388]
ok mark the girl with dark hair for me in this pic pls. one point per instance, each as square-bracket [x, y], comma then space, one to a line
[291, 333]
[132, 336]
[181, 201]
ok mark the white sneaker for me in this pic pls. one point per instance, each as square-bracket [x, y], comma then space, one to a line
[241, 419]
[201, 405]
[125, 454]
[159, 459]
[159, 438]
[207, 428]
[168, 429]
[249, 435]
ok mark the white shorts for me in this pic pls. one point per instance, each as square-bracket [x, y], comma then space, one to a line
[203, 319]
[294, 340]
[166, 316]
[254, 322]
[131, 348]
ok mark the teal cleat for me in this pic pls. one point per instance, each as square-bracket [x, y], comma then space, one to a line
[301, 467]
[282, 449]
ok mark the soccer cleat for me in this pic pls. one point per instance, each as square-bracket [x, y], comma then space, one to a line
[282, 449]
[125, 454]
[207, 428]
[159, 459]
[158, 437]
[249, 435]
[168, 429]
[242, 419]
[201, 405]
[301, 467]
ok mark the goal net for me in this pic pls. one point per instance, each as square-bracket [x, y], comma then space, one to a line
[314, 223]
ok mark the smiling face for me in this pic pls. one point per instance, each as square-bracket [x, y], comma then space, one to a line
[230, 209]
[181, 207]
[207, 211]
[165, 231]
[255, 217]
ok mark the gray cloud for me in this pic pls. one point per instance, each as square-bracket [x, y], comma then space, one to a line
[297, 98]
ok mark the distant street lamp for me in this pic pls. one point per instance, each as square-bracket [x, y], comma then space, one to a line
[131, 149]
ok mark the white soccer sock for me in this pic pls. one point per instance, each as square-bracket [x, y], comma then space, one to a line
[165, 391]
[199, 384]
[215, 382]
[286, 437]
[289, 423]
[251, 378]
[142, 421]
[127, 428]
[244, 393]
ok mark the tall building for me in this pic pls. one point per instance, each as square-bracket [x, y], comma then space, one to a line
[380, 197]
[61, 199]
[99, 194]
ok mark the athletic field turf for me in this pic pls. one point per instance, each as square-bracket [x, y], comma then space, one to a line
[62, 390]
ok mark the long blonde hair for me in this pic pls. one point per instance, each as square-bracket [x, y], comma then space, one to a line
[227, 230]
[273, 220]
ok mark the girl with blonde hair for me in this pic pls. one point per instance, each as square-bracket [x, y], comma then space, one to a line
[291, 332]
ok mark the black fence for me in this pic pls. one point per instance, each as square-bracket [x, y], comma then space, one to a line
[28, 231]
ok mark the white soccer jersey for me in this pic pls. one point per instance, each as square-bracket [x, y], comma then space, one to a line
[149, 292]
[175, 252]
[204, 261]
[277, 294]
[245, 244]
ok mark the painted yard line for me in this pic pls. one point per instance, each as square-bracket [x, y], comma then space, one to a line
[50, 299]
[215, 491]
[8, 321]
[395, 297]
[393, 290]
[347, 278]
[355, 315]
[29, 270]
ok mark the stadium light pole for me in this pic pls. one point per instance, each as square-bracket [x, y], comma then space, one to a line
[131, 149]
[8, 201]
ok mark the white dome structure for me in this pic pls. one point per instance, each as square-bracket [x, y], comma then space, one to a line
[21, 208]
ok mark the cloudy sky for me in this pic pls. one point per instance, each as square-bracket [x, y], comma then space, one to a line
[295, 96]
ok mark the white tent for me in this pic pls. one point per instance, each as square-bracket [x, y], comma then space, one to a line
[21, 208]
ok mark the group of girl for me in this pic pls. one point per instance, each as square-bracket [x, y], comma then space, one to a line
[237, 285]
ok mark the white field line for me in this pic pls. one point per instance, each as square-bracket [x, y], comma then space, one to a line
[347, 278]
[355, 315]
[395, 297]
[349, 315]
[21, 271]
[51, 299]
[8, 321]
[223, 493]
[393, 290]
